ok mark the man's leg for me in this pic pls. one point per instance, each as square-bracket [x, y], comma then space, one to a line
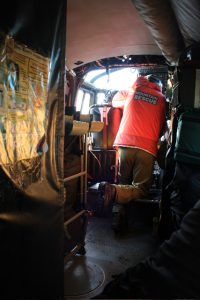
[135, 176]
[141, 178]
[142, 170]
[126, 162]
[125, 172]
[126, 165]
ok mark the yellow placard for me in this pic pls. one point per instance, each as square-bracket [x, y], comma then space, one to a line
[23, 101]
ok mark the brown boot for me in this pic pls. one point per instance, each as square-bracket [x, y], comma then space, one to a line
[108, 193]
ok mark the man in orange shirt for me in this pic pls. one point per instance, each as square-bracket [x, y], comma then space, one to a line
[137, 138]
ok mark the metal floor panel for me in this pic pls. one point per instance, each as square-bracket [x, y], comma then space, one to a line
[106, 255]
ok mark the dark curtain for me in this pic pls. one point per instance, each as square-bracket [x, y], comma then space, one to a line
[31, 190]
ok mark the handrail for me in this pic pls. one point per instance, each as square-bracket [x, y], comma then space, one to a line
[74, 176]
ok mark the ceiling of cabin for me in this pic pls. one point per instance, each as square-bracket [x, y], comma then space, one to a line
[99, 29]
[106, 28]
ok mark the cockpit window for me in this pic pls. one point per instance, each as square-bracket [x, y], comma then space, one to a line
[83, 100]
[79, 99]
[86, 104]
[100, 98]
[114, 79]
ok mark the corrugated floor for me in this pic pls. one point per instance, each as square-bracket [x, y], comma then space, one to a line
[107, 255]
